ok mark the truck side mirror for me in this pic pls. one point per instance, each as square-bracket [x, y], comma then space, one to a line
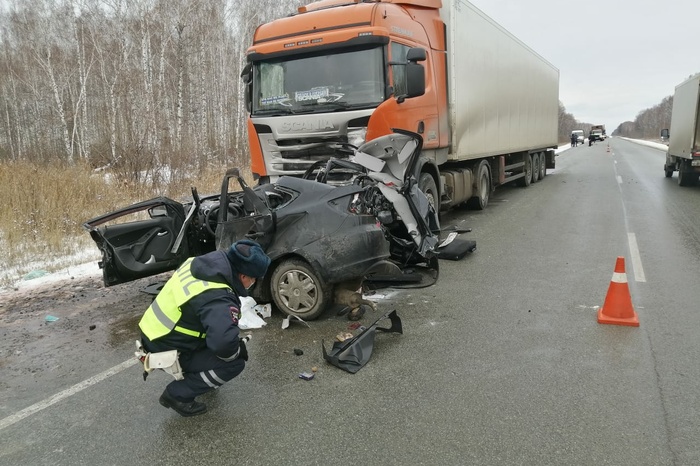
[416, 54]
[415, 73]
[665, 134]
[415, 80]
[247, 77]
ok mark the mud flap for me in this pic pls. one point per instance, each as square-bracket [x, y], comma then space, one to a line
[352, 354]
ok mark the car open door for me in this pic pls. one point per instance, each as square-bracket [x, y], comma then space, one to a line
[248, 216]
[141, 240]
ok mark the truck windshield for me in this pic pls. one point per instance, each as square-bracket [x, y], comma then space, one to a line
[320, 83]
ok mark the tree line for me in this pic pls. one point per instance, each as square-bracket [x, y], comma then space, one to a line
[139, 85]
[649, 122]
[136, 85]
[568, 123]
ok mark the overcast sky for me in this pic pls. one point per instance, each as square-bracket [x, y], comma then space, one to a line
[615, 57]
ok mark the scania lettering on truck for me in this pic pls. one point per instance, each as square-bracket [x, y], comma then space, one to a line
[339, 73]
[683, 154]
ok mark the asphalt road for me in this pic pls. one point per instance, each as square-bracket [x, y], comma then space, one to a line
[502, 362]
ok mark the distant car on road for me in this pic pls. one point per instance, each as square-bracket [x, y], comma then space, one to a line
[580, 137]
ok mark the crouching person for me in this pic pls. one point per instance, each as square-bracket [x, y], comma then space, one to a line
[197, 313]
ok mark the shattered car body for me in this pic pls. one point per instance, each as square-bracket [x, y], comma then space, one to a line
[320, 237]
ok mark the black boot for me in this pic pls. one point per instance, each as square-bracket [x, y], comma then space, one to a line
[183, 408]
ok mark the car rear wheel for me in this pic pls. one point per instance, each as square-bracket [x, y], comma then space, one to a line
[298, 290]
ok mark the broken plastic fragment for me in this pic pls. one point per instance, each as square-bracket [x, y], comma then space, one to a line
[35, 274]
[286, 321]
[352, 354]
[264, 311]
[51, 319]
[448, 240]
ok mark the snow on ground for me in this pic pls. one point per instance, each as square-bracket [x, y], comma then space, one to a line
[79, 265]
[85, 262]
[655, 145]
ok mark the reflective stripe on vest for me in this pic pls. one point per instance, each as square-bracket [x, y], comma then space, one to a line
[163, 314]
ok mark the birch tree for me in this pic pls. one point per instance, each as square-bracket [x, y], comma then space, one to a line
[133, 85]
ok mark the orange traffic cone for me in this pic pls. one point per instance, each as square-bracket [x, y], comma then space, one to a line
[617, 308]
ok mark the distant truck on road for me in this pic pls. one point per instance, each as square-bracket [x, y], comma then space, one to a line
[341, 73]
[683, 154]
[597, 133]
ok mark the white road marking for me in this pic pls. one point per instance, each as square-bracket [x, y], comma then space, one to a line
[636, 258]
[631, 237]
[9, 420]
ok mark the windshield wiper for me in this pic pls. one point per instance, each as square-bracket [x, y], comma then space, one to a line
[274, 112]
[338, 105]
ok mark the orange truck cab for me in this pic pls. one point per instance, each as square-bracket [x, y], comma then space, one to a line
[339, 73]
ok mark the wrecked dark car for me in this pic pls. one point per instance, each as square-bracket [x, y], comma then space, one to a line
[322, 237]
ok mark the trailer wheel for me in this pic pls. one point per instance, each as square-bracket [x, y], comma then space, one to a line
[685, 176]
[483, 187]
[543, 165]
[535, 168]
[298, 290]
[429, 188]
[668, 171]
[527, 169]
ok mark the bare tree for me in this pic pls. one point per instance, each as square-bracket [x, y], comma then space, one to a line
[148, 88]
[649, 122]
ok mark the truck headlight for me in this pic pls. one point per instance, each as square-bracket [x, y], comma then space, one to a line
[356, 136]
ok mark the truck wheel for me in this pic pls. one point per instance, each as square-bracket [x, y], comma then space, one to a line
[543, 165]
[527, 169]
[483, 187]
[535, 168]
[668, 171]
[429, 188]
[298, 290]
[685, 177]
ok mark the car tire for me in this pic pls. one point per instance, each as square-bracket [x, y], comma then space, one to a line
[298, 290]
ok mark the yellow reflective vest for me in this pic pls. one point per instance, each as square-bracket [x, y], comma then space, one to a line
[163, 314]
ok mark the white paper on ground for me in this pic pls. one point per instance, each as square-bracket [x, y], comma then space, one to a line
[288, 319]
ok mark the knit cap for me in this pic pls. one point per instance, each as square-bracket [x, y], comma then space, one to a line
[248, 258]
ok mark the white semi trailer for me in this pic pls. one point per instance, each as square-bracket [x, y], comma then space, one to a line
[683, 154]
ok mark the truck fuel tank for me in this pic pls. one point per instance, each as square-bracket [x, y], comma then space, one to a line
[458, 183]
